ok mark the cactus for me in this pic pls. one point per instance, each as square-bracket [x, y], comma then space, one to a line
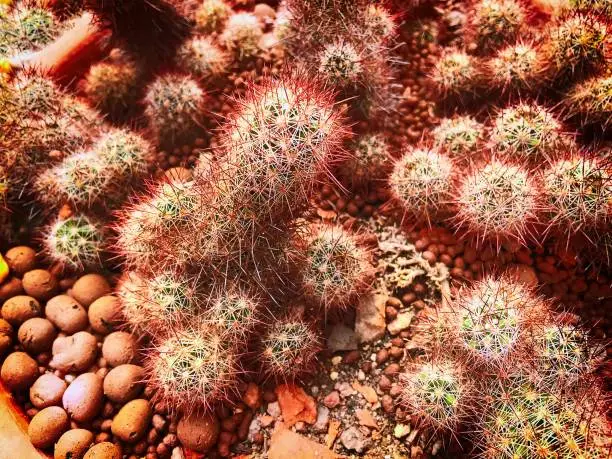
[379, 23]
[25, 29]
[131, 293]
[75, 242]
[340, 64]
[499, 201]
[174, 106]
[592, 100]
[527, 132]
[421, 182]
[202, 58]
[458, 137]
[495, 22]
[211, 16]
[336, 268]
[370, 161]
[515, 68]
[242, 35]
[192, 366]
[435, 392]
[289, 348]
[578, 192]
[113, 87]
[455, 73]
[233, 312]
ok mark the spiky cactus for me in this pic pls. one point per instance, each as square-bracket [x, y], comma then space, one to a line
[592, 101]
[242, 35]
[459, 137]
[75, 242]
[527, 132]
[578, 193]
[192, 366]
[203, 58]
[495, 22]
[515, 68]
[26, 28]
[437, 393]
[421, 182]
[211, 16]
[370, 161]
[379, 23]
[340, 64]
[336, 268]
[113, 87]
[289, 347]
[234, 312]
[174, 107]
[497, 201]
[455, 73]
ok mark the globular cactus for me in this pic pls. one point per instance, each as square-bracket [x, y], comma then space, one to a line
[490, 318]
[497, 201]
[113, 87]
[211, 16]
[75, 242]
[495, 22]
[528, 132]
[369, 163]
[459, 137]
[421, 182]
[578, 194]
[289, 347]
[233, 311]
[174, 106]
[192, 366]
[437, 393]
[27, 28]
[340, 64]
[591, 100]
[575, 46]
[515, 68]
[36, 94]
[456, 73]
[242, 35]
[335, 268]
[203, 58]
[379, 23]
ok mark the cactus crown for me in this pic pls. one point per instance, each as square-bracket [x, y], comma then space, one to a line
[172, 294]
[340, 63]
[370, 160]
[211, 16]
[378, 22]
[233, 312]
[242, 34]
[455, 72]
[515, 67]
[288, 348]
[203, 58]
[496, 22]
[28, 29]
[75, 242]
[593, 100]
[37, 94]
[124, 151]
[458, 136]
[112, 85]
[421, 180]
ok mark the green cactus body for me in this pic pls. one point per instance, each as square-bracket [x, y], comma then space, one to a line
[242, 35]
[515, 68]
[455, 73]
[75, 242]
[496, 22]
[340, 64]
[592, 99]
[211, 16]
[459, 136]
[203, 58]
[288, 348]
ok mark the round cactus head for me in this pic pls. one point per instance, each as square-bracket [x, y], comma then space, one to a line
[340, 63]
[74, 242]
[202, 58]
[459, 137]
[242, 35]
[132, 294]
[33, 28]
[489, 318]
[211, 16]
[515, 68]
[379, 22]
[526, 131]
[192, 367]
[233, 312]
[369, 162]
[495, 22]
[36, 95]
[125, 152]
[421, 182]
[336, 268]
[497, 201]
[592, 100]
[289, 347]
[578, 192]
[455, 73]
[112, 86]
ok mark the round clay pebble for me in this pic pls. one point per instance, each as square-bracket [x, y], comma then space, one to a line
[47, 426]
[40, 284]
[20, 308]
[124, 383]
[10, 288]
[73, 444]
[198, 432]
[47, 390]
[83, 399]
[104, 450]
[21, 259]
[89, 288]
[132, 421]
[6, 336]
[66, 314]
[19, 371]
[119, 348]
[105, 314]
[36, 335]
[74, 353]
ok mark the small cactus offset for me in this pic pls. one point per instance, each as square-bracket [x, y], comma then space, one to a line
[515, 68]
[211, 16]
[26, 29]
[456, 73]
[242, 35]
[203, 58]
[379, 23]
[591, 100]
[234, 312]
[289, 347]
[459, 137]
[340, 64]
[495, 22]
[421, 182]
[75, 242]
[497, 201]
[369, 163]
[336, 269]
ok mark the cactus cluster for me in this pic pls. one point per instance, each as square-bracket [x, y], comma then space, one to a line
[515, 68]
[26, 28]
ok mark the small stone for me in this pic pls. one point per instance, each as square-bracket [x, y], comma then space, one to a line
[352, 439]
[83, 399]
[48, 426]
[295, 404]
[119, 348]
[47, 390]
[370, 318]
[286, 444]
[368, 393]
[252, 396]
[20, 308]
[66, 314]
[19, 371]
[401, 322]
[73, 444]
[132, 421]
[89, 288]
[332, 400]
[274, 410]
[36, 335]
[198, 432]
[401, 430]
[104, 450]
[6, 336]
[366, 419]
[320, 424]
[342, 338]
[40, 284]
[21, 259]
[105, 314]
[124, 383]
